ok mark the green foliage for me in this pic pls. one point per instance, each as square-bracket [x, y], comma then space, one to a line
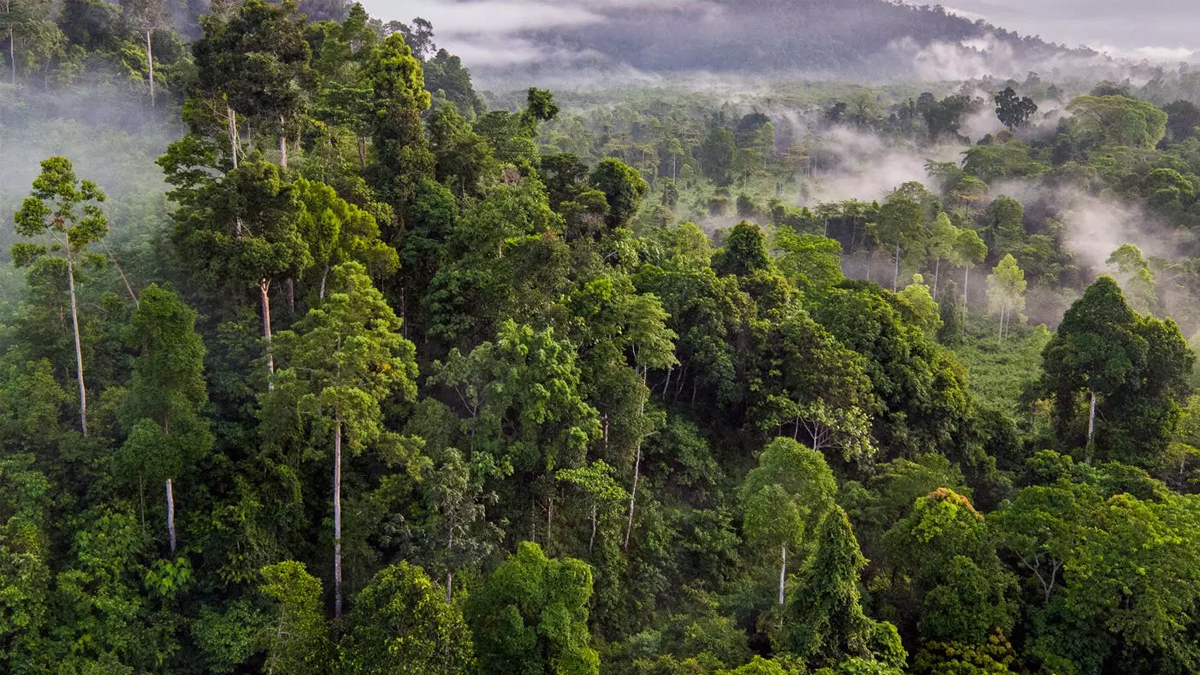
[531, 616]
[401, 624]
[1133, 368]
[944, 548]
[296, 638]
[1120, 120]
[601, 377]
[1014, 111]
[825, 623]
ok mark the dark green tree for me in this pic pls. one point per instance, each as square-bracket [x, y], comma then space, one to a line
[166, 396]
[824, 621]
[623, 188]
[340, 364]
[401, 624]
[1014, 111]
[531, 617]
[1130, 371]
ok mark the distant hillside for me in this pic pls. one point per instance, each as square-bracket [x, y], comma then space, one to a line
[771, 36]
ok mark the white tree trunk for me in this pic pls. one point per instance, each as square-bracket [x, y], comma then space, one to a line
[12, 54]
[231, 117]
[782, 574]
[283, 155]
[150, 65]
[264, 287]
[78, 349]
[637, 466]
[937, 272]
[966, 298]
[171, 515]
[896, 277]
[1091, 426]
[592, 541]
[337, 519]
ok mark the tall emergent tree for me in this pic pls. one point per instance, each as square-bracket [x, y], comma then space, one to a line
[784, 498]
[341, 362]
[400, 155]
[969, 250]
[1014, 111]
[256, 63]
[1006, 292]
[240, 230]
[146, 16]
[64, 214]
[1132, 372]
[167, 393]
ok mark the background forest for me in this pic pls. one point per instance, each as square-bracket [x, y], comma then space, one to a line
[314, 359]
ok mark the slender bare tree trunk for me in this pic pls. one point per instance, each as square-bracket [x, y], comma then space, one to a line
[128, 287]
[966, 298]
[782, 574]
[362, 151]
[78, 349]
[592, 541]
[283, 157]
[1091, 426]
[337, 519]
[171, 515]
[937, 271]
[449, 569]
[637, 464]
[231, 116]
[12, 54]
[150, 65]
[324, 276]
[896, 277]
[264, 287]
[637, 467]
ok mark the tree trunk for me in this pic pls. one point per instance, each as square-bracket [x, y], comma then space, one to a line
[1091, 427]
[337, 519]
[637, 467]
[782, 574]
[896, 277]
[937, 271]
[282, 143]
[171, 516]
[231, 117]
[449, 586]
[966, 299]
[362, 151]
[324, 276]
[264, 287]
[150, 65]
[291, 290]
[78, 349]
[592, 541]
[12, 54]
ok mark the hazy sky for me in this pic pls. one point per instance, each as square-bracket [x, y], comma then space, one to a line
[1125, 25]
[1160, 29]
